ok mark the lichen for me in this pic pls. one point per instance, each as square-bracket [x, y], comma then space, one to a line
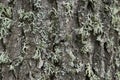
[6, 21]
[4, 58]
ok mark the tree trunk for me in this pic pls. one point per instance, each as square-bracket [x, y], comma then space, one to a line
[59, 40]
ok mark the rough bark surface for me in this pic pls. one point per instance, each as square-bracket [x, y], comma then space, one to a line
[59, 39]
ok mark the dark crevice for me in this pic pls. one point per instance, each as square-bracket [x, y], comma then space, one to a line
[52, 76]
[90, 6]
[87, 77]
[105, 47]
[3, 45]
[13, 73]
[108, 2]
[1, 72]
[11, 3]
[22, 32]
[76, 17]
[53, 3]
[107, 55]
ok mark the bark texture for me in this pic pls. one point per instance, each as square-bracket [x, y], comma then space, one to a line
[59, 39]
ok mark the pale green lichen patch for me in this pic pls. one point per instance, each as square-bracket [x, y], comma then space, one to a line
[118, 75]
[90, 73]
[26, 16]
[5, 11]
[5, 26]
[115, 17]
[47, 35]
[4, 58]
[5, 20]
[68, 8]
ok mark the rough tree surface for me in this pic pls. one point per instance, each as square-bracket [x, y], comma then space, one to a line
[59, 39]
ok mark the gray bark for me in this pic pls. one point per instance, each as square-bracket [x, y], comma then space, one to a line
[59, 40]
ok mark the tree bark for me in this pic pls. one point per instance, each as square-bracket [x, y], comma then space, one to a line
[59, 40]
